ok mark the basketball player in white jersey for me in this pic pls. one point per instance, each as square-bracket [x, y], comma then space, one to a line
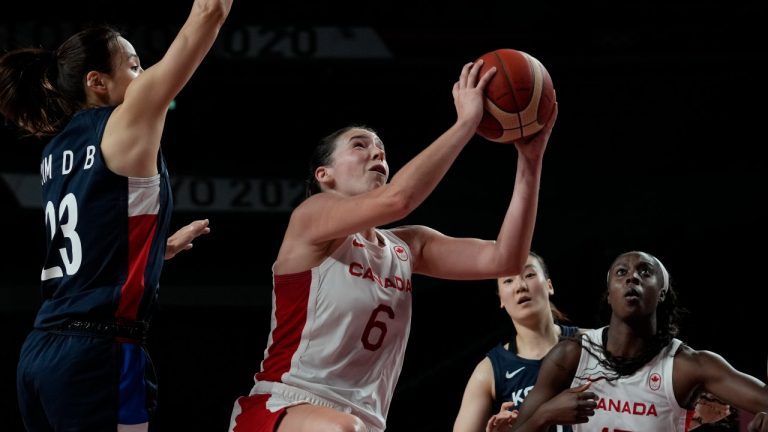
[342, 287]
[503, 379]
[634, 375]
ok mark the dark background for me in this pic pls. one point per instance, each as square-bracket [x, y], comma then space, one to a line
[658, 147]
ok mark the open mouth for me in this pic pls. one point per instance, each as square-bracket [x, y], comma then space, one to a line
[379, 169]
[523, 299]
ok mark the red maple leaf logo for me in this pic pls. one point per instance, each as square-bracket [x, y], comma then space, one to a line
[654, 381]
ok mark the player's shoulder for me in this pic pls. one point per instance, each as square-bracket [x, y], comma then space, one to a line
[312, 207]
[685, 353]
[411, 231]
[697, 363]
[484, 366]
[414, 235]
[566, 348]
[316, 199]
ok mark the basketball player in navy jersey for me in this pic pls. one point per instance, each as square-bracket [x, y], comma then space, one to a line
[504, 377]
[501, 381]
[342, 286]
[634, 375]
[107, 206]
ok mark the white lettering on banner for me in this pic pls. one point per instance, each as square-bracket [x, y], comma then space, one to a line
[248, 41]
[214, 194]
[236, 194]
[235, 41]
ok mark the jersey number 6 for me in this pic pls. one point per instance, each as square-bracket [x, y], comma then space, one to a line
[374, 323]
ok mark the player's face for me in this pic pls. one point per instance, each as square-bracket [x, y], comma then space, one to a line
[358, 164]
[635, 285]
[526, 296]
[126, 68]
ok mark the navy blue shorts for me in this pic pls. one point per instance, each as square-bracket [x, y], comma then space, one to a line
[71, 381]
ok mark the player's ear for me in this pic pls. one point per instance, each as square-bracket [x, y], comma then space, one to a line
[94, 82]
[323, 174]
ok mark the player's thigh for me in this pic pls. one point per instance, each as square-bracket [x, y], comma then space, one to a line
[313, 418]
[250, 414]
[73, 379]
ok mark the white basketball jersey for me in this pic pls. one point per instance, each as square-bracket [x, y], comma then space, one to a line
[644, 401]
[339, 330]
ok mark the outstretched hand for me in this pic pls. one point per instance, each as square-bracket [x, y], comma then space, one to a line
[468, 93]
[709, 409]
[759, 423]
[532, 147]
[181, 240]
[503, 421]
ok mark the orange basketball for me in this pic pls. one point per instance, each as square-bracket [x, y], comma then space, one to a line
[519, 98]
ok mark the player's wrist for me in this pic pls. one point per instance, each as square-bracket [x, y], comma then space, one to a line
[695, 422]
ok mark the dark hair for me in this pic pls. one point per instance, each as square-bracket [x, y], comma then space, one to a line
[321, 156]
[41, 89]
[668, 315]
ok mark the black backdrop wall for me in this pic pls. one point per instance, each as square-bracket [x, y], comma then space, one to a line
[657, 147]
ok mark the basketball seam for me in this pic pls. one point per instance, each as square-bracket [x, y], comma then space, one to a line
[507, 77]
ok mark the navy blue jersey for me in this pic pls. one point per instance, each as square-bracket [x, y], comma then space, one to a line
[105, 233]
[515, 376]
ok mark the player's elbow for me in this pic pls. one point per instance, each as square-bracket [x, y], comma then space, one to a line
[510, 263]
[398, 203]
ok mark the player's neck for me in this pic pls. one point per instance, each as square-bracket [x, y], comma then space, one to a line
[536, 341]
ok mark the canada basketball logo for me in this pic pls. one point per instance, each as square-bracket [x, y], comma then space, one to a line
[400, 252]
[654, 381]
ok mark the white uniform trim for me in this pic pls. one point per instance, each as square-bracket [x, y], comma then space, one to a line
[644, 401]
[348, 352]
